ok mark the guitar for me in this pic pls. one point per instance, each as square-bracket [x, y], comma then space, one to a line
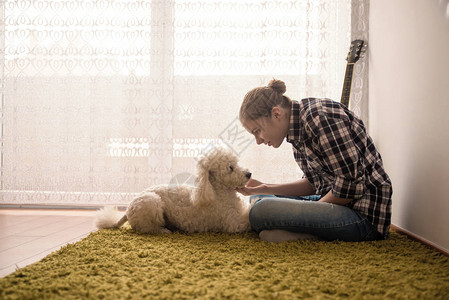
[357, 50]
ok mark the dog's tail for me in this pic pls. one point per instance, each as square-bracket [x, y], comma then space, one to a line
[109, 217]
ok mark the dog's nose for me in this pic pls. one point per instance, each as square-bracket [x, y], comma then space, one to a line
[248, 175]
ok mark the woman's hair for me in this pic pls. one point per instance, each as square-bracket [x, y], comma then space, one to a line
[260, 101]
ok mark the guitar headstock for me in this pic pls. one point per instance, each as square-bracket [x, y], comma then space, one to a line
[357, 50]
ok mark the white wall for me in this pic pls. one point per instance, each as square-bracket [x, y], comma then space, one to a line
[409, 110]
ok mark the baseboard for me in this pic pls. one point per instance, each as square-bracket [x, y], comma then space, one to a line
[419, 239]
[58, 206]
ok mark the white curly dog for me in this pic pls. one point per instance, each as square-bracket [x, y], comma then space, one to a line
[212, 205]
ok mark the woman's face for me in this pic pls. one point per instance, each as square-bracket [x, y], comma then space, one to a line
[270, 131]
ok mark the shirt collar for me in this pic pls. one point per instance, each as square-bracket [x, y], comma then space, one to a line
[293, 132]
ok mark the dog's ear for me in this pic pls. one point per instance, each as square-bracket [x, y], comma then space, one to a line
[204, 191]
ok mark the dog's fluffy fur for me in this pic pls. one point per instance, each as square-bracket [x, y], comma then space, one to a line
[212, 205]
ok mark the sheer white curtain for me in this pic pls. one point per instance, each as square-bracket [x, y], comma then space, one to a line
[103, 98]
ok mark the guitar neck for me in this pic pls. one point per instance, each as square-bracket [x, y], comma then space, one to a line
[347, 84]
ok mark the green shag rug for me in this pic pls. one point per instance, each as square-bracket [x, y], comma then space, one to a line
[122, 264]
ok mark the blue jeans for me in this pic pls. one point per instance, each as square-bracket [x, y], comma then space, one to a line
[306, 215]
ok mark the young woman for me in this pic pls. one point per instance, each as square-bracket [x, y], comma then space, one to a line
[345, 193]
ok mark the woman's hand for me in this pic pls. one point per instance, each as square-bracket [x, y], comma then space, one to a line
[253, 187]
[253, 182]
[330, 198]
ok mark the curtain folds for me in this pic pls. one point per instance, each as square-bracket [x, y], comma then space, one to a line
[101, 99]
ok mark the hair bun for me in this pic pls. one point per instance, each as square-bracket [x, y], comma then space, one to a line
[278, 86]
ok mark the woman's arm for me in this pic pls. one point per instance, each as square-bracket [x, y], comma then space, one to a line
[301, 187]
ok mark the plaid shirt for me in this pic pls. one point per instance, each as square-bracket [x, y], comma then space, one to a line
[333, 149]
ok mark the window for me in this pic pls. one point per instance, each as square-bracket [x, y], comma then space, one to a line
[104, 98]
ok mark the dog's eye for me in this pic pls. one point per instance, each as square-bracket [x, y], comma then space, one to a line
[231, 168]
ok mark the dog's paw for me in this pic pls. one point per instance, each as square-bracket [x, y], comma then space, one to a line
[165, 230]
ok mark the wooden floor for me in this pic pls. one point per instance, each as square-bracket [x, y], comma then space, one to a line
[28, 235]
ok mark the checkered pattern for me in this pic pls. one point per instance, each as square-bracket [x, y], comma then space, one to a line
[333, 149]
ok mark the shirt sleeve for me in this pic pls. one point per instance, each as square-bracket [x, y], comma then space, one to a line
[340, 156]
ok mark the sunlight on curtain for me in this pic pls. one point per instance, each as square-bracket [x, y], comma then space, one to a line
[101, 99]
